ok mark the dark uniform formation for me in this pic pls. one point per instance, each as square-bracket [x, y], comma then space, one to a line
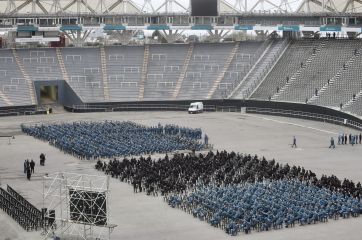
[110, 139]
[239, 192]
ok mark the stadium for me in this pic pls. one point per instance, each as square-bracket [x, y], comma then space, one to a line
[100, 91]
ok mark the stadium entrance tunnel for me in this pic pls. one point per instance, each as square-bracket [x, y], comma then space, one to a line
[49, 94]
[55, 92]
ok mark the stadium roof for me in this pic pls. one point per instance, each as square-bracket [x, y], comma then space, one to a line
[177, 6]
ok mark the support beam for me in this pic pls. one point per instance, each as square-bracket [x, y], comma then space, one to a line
[350, 6]
[261, 4]
[41, 7]
[10, 6]
[326, 5]
[171, 36]
[123, 36]
[168, 5]
[87, 6]
[56, 7]
[77, 37]
[149, 4]
[21, 6]
[69, 5]
[216, 35]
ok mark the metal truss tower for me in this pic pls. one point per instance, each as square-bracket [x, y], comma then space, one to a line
[73, 198]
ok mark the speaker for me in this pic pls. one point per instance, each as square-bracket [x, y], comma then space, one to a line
[43, 213]
[51, 216]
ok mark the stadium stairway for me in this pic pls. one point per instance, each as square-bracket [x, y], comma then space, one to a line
[104, 74]
[259, 70]
[297, 74]
[352, 101]
[27, 78]
[234, 93]
[183, 72]
[62, 65]
[336, 77]
[5, 99]
[222, 73]
[144, 73]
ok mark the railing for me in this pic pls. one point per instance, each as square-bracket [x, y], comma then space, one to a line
[306, 115]
[148, 107]
[17, 111]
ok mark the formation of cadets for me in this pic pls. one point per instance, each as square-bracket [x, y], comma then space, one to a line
[92, 140]
[209, 185]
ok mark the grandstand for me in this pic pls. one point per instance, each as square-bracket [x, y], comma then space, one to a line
[305, 70]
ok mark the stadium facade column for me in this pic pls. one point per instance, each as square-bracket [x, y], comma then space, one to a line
[123, 36]
[217, 35]
[77, 37]
[171, 36]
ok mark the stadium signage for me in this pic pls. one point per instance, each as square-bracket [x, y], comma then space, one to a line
[289, 28]
[330, 28]
[243, 27]
[202, 27]
[158, 27]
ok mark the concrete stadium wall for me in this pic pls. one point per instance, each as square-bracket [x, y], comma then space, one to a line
[217, 105]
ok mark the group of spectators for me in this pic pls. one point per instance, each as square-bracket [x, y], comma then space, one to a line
[239, 192]
[352, 139]
[93, 140]
[29, 168]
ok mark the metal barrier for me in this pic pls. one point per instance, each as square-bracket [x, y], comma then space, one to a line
[305, 115]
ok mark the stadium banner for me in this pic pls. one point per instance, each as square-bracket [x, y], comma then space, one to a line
[110, 27]
[158, 27]
[330, 28]
[351, 29]
[27, 28]
[292, 28]
[35, 39]
[265, 28]
[309, 29]
[40, 29]
[243, 27]
[201, 27]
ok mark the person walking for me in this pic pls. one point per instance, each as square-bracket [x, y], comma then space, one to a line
[332, 143]
[206, 139]
[25, 166]
[294, 142]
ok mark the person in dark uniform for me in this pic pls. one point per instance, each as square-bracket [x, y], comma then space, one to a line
[206, 139]
[332, 143]
[42, 159]
[345, 138]
[32, 166]
[360, 138]
[28, 173]
[294, 142]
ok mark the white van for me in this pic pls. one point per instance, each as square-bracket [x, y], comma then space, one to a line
[196, 107]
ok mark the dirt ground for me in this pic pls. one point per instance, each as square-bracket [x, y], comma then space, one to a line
[143, 217]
